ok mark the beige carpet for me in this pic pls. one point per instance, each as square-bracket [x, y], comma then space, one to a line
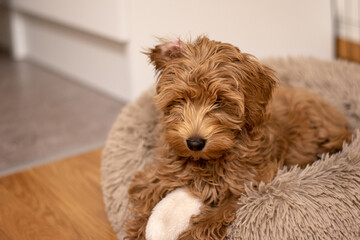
[45, 116]
[321, 201]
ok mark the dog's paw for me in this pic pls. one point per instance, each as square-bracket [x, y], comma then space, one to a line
[171, 216]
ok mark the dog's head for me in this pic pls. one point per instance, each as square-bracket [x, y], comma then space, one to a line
[208, 92]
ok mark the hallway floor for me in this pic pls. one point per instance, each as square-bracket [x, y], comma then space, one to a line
[45, 116]
[57, 201]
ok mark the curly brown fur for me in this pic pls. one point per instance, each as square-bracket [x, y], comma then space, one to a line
[211, 91]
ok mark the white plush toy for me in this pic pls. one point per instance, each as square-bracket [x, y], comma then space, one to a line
[171, 216]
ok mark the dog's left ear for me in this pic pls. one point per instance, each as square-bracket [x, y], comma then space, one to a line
[258, 85]
[165, 52]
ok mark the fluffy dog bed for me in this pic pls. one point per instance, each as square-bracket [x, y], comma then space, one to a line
[321, 201]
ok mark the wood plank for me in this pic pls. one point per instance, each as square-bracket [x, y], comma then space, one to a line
[18, 222]
[61, 200]
[348, 50]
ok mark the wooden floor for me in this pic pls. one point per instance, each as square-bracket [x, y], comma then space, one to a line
[348, 50]
[61, 200]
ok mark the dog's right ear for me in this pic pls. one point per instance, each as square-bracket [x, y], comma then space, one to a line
[165, 52]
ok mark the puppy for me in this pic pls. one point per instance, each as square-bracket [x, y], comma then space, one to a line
[225, 122]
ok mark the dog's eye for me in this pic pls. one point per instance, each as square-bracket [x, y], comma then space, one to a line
[179, 101]
[176, 102]
[218, 102]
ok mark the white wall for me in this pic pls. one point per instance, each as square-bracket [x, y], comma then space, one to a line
[263, 28]
[99, 42]
[89, 59]
[82, 39]
[348, 19]
[106, 18]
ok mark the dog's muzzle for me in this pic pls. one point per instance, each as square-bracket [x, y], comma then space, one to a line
[195, 144]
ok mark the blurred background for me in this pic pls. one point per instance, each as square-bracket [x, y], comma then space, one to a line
[68, 67]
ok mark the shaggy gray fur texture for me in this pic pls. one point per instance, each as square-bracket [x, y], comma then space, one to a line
[321, 201]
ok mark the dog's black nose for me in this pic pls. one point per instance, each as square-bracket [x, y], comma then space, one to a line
[195, 144]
